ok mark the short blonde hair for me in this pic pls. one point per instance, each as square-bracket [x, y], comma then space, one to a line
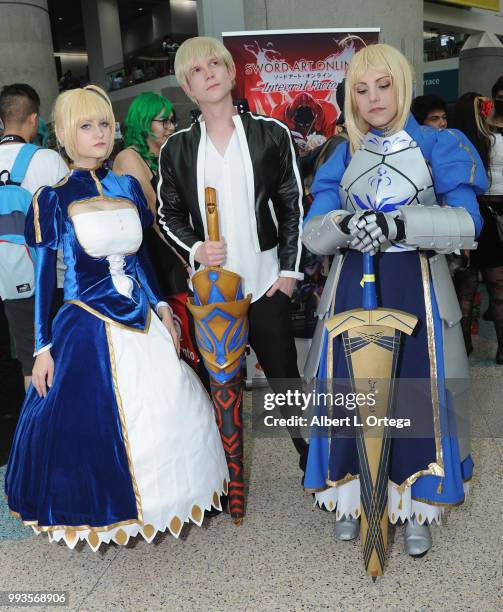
[72, 106]
[390, 60]
[196, 49]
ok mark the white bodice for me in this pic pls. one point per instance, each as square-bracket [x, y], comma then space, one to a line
[111, 234]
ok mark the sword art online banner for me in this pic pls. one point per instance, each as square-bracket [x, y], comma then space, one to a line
[297, 76]
[293, 75]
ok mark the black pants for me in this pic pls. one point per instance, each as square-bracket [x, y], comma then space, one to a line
[271, 337]
[11, 377]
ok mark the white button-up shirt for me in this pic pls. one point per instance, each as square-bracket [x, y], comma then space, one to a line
[259, 270]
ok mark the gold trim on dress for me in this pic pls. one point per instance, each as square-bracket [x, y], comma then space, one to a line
[330, 360]
[470, 153]
[123, 421]
[111, 321]
[145, 528]
[314, 490]
[97, 181]
[45, 529]
[435, 468]
[77, 167]
[435, 503]
[62, 181]
[347, 478]
[36, 218]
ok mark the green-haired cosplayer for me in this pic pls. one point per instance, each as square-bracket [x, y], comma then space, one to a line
[149, 122]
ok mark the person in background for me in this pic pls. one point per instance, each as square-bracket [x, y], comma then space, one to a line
[150, 72]
[430, 110]
[42, 137]
[149, 122]
[316, 157]
[497, 96]
[138, 74]
[68, 81]
[19, 111]
[471, 115]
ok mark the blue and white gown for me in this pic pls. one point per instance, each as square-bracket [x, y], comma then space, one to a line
[418, 165]
[125, 442]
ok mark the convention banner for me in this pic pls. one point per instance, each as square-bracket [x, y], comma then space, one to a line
[294, 75]
[297, 76]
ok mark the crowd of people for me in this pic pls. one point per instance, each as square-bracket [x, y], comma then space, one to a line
[481, 119]
[116, 436]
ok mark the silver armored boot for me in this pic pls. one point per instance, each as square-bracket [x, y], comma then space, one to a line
[347, 528]
[417, 538]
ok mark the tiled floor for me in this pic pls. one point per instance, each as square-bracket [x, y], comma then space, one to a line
[284, 557]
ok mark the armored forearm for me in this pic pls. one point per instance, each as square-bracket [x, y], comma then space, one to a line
[323, 234]
[439, 228]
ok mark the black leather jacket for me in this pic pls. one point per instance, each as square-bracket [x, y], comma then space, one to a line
[275, 195]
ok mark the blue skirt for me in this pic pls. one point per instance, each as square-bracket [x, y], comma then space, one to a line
[402, 282]
[68, 464]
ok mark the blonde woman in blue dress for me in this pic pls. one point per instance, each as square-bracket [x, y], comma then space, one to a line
[117, 436]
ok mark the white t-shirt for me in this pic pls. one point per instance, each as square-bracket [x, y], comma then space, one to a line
[496, 164]
[46, 168]
[227, 175]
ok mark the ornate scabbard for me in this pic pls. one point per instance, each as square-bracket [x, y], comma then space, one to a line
[371, 339]
[220, 316]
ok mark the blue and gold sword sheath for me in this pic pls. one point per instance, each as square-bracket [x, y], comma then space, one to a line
[371, 340]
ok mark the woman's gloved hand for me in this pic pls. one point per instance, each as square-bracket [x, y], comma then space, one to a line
[374, 229]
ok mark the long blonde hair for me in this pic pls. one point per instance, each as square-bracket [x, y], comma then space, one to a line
[390, 60]
[90, 102]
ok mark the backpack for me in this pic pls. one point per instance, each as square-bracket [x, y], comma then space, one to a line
[17, 260]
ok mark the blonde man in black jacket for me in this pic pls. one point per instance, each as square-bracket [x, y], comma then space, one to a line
[251, 161]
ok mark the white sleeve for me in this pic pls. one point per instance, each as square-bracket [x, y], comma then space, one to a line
[46, 168]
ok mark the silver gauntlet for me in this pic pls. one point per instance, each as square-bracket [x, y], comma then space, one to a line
[322, 234]
[439, 228]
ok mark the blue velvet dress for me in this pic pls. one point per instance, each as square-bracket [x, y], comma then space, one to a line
[125, 442]
[426, 473]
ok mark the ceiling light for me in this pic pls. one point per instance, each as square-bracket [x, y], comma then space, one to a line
[60, 18]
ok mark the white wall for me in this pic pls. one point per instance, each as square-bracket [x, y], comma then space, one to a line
[108, 13]
[26, 53]
[217, 16]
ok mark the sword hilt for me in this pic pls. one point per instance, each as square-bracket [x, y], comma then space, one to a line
[210, 198]
[369, 298]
